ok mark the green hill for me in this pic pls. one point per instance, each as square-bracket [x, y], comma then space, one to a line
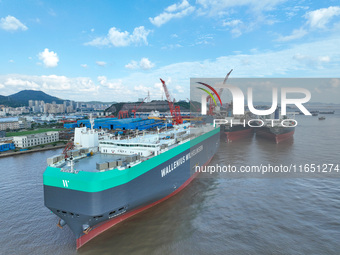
[21, 98]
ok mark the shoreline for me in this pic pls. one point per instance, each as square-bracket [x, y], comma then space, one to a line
[7, 154]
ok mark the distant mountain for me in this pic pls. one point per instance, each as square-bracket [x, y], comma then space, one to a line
[21, 98]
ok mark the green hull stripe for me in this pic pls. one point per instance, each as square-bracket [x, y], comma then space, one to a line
[99, 181]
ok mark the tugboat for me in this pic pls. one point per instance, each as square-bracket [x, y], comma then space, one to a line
[322, 118]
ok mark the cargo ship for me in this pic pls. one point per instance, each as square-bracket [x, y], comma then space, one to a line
[276, 132]
[273, 129]
[236, 128]
[107, 178]
[327, 112]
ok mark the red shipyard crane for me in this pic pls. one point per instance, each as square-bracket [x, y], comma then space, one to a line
[123, 114]
[174, 110]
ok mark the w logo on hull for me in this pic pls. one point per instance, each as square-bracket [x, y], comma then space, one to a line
[65, 183]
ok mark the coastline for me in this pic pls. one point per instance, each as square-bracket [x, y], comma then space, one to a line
[12, 153]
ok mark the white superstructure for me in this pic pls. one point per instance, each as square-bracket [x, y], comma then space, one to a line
[100, 151]
[147, 145]
[85, 137]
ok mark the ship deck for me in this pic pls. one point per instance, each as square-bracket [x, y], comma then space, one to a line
[88, 164]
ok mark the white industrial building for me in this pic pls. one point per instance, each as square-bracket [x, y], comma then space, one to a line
[35, 139]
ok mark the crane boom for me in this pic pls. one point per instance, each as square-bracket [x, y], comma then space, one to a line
[174, 110]
[136, 108]
[209, 98]
[193, 105]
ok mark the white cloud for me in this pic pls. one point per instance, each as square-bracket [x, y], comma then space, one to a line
[50, 58]
[279, 63]
[99, 41]
[236, 26]
[61, 86]
[121, 39]
[254, 13]
[101, 63]
[177, 11]
[115, 87]
[298, 60]
[144, 64]
[11, 23]
[132, 65]
[143, 89]
[117, 38]
[292, 11]
[321, 17]
[314, 19]
[171, 46]
[204, 39]
[324, 59]
[312, 60]
[84, 65]
[112, 85]
[232, 23]
[223, 7]
[296, 34]
[21, 83]
[179, 89]
[178, 6]
[52, 12]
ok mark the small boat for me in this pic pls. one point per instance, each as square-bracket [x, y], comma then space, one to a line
[322, 118]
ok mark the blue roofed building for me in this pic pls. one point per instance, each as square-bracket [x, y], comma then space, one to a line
[114, 123]
[6, 146]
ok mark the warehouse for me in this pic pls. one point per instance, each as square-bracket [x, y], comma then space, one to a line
[114, 123]
[6, 146]
[36, 139]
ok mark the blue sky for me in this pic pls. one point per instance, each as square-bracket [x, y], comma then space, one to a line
[118, 50]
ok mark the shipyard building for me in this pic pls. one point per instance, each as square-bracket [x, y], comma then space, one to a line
[122, 124]
[35, 139]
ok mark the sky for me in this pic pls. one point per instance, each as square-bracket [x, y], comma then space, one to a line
[117, 50]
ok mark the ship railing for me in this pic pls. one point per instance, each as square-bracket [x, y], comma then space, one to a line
[68, 170]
